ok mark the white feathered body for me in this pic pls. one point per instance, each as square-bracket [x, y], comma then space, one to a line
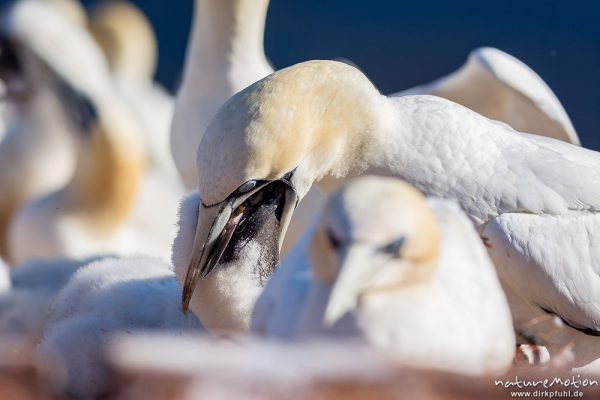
[499, 86]
[459, 321]
[535, 199]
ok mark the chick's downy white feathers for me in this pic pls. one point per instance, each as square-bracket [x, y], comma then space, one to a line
[107, 297]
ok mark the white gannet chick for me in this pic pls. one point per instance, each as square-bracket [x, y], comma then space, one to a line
[103, 299]
[129, 43]
[225, 298]
[500, 87]
[41, 49]
[411, 278]
[24, 308]
[225, 54]
[323, 118]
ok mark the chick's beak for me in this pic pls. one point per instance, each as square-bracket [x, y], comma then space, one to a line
[216, 226]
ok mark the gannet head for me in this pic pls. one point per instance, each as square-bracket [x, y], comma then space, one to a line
[42, 50]
[73, 9]
[44, 46]
[127, 39]
[270, 142]
[376, 234]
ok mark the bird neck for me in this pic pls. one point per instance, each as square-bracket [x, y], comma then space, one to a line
[228, 34]
[109, 169]
[377, 147]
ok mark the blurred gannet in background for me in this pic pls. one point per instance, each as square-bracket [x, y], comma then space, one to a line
[37, 153]
[525, 193]
[5, 283]
[24, 308]
[500, 87]
[128, 41]
[225, 54]
[72, 9]
[105, 298]
[111, 204]
[412, 278]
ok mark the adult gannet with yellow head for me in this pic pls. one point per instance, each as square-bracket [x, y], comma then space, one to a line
[269, 143]
[410, 276]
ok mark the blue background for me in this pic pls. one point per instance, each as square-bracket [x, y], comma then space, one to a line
[399, 44]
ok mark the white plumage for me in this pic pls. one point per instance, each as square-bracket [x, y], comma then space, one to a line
[225, 54]
[24, 307]
[423, 305]
[325, 119]
[5, 283]
[129, 43]
[105, 298]
[500, 87]
[105, 205]
[37, 153]
[225, 299]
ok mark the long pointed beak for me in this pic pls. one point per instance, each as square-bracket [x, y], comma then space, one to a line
[215, 228]
[355, 271]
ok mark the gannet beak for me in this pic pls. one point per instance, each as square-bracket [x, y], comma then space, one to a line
[355, 270]
[15, 86]
[217, 225]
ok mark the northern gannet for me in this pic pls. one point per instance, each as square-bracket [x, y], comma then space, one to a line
[72, 9]
[225, 54]
[37, 153]
[526, 194]
[105, 298]
[111, 203]
[129, 43]
[226, 298]
[411, 277]
[500, 87]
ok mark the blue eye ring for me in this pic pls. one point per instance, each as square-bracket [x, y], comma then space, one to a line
[394, 247]
[248, 186]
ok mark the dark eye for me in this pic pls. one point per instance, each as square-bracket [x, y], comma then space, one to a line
[248, 186]
[394, 247]
[335, 242]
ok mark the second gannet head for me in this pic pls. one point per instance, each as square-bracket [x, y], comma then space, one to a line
[376, 234]
[270, 142]
[127, 39]
[41, 34]
[73, 9]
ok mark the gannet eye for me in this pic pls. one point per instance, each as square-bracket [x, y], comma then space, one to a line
[394, 247]
[248, 186]
[335, 242]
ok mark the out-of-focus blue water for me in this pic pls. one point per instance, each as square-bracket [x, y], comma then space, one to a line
[399, 44]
